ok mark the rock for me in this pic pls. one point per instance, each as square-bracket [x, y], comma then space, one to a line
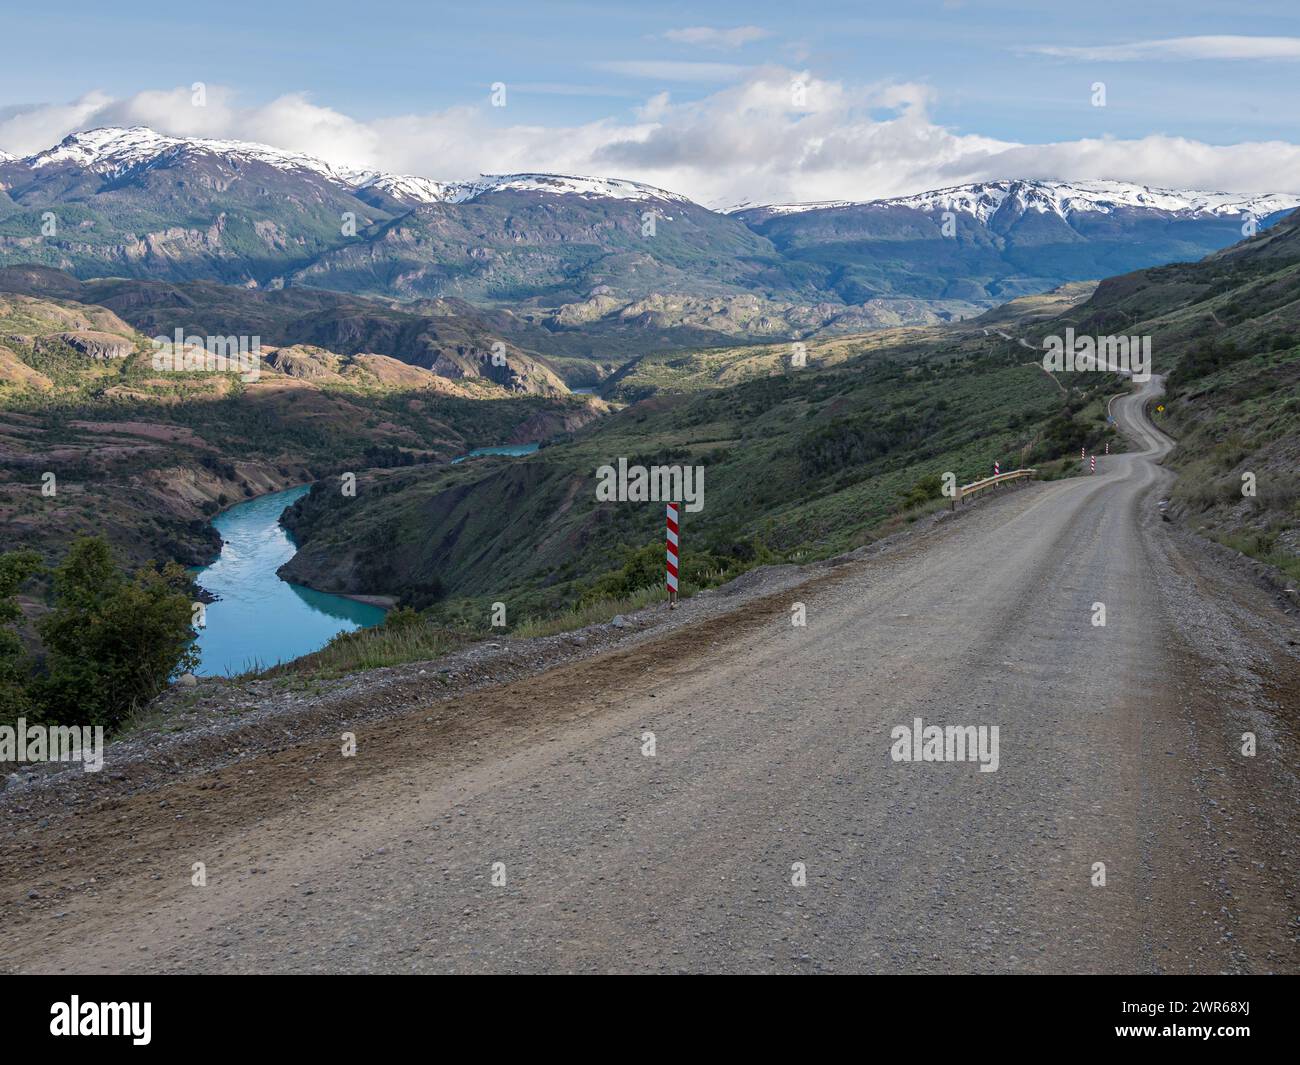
[91, 343]
[13, 780]
[187, 680]
[620, 622]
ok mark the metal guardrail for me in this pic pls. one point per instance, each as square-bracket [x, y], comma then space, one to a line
[989, 482]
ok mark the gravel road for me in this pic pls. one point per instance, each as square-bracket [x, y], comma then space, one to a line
[1118, 744]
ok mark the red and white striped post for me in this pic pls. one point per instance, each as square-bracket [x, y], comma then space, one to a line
[1107, 447]
[997, 468]
[1094, 464]
[671, 539]
[1083, 454]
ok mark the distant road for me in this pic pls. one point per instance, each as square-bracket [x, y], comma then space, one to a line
[1118, 744]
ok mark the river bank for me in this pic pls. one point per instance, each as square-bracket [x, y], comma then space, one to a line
[257, 619]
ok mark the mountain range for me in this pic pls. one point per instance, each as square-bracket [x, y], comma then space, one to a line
[135, 203]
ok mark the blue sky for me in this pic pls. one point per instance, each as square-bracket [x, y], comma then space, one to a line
[982, 65]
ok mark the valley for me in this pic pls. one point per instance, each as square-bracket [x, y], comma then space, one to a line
[729, 489]
[147, 457]
[813, 447]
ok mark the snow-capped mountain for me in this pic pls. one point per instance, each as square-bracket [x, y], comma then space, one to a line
[564, 184]
[1063, 199]
[115, 152]
[404, 188]
[412, 190]
[155, 206]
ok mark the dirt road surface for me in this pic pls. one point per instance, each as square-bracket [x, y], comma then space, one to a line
[1118, 744]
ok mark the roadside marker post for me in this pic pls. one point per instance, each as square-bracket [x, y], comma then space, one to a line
[671, 543]
[1094, 464]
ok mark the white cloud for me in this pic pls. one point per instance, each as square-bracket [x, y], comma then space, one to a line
[756, 140]
[671, 69]
[712, 37]
[1170, 162]
[29, 129]
[1222, 47]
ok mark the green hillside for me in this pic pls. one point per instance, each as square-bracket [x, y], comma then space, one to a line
[798, 463]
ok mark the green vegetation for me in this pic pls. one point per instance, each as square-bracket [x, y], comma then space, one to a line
[1226, 331]
[1238, 458]
[798, 464]
[403, 637]
[15, 670]
[596, 611]
[112, 641]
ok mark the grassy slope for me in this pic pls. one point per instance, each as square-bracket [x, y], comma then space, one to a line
[798, 463]
[1226, 330]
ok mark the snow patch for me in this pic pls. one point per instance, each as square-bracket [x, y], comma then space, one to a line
[1064, 199]
[563, 184]
[405, 188]
[114, 151]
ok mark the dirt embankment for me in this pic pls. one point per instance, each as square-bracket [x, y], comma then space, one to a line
[150, 488]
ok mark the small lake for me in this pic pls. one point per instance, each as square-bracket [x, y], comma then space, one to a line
[258, 618]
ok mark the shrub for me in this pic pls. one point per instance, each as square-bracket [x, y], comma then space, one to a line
[403, 617]
[642, 568]
[112, 641]
[926, 489]
[15, 666]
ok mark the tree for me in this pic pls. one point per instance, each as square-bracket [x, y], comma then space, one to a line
[113, 641]
[15, 665]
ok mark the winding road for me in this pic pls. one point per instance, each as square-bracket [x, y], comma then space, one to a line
[771, 830]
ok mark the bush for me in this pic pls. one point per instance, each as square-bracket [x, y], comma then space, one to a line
[926, 489]
[1062, 437]
[1203, 360]
[402, 617]
[112, 641]
[15, 665]
[642, 568]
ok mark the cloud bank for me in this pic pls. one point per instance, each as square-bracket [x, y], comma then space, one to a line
[772, 135]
